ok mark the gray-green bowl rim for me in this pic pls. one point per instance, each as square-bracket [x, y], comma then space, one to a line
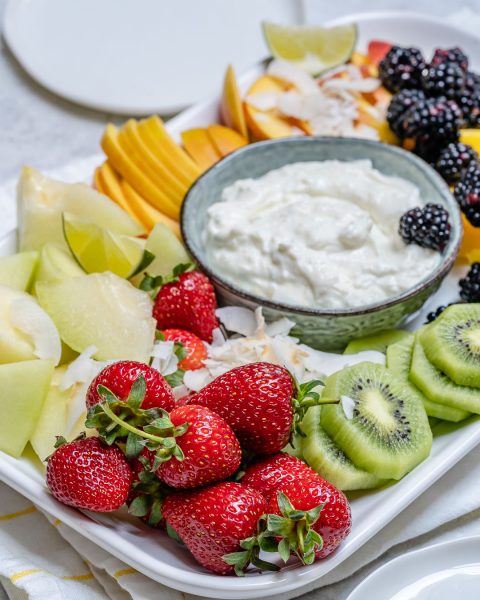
[441, 270]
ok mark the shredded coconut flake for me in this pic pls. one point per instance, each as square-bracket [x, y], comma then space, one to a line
[164, 358]
[237, 319]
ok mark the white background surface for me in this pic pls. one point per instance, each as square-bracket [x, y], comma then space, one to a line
[44, 131]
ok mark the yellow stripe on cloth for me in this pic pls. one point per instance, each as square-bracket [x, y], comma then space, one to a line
[122, 572]
[16, 576]
[20, 513]
[84, 577]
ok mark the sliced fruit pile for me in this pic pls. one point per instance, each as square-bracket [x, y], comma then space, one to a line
[148, 173]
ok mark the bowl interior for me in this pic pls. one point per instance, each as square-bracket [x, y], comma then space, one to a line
[257, 159]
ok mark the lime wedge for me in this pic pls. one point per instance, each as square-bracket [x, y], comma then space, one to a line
[314, 49]
[97, 250]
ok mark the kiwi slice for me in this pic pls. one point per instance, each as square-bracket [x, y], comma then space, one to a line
[436, 386]
[377, 341]
[452, 343]
[328, 460]
[399, 358]
[388, 433]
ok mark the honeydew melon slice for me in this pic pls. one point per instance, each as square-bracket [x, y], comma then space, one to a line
[17, 271]
[56, 264]
[41, 202]
[24, 388]
[26, 331]
[52, 419]
[103, 310]
[168, 251]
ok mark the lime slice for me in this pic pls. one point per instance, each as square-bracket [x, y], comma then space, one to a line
[97, 250]
[314, 49]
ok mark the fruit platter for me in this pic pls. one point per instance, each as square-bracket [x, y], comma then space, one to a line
[194, 437]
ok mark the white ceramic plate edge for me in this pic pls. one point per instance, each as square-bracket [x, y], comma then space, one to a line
[361, 592]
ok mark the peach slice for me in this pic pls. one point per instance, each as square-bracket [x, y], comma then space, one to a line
[231, 104]
[198, 144]
[146, 212]
[168, 151]
[148, 162]
[225, 139]
[266, 124]
[122, 163]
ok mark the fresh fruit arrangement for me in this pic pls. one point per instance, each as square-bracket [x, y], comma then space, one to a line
[111, 339]
[120, 336]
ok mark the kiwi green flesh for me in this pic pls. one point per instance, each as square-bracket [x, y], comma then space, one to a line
[320, 452]
[389, 433]
[399, 358]
[376, 341]
[452, 343]
[437, 387]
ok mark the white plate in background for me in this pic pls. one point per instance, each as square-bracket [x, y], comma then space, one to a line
[445, 571]
[137, 57]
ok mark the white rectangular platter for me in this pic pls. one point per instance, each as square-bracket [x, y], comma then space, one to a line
[162, 559]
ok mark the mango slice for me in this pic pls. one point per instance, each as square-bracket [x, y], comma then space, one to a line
[134, 175]
[146, 212]
[231, 104]
[198, 144]
[225, 139]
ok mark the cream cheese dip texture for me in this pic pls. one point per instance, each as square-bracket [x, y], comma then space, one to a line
[317, 234]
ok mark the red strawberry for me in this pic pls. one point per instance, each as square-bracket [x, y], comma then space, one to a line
[269, 474]
[333, 523]
[187, 303]
[194, 347]
[214, 520]
[119, 378]
[210, 449]
[146, 494]
[256, 401]
[88, 474]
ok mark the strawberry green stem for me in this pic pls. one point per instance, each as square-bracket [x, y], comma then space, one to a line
[106, 409]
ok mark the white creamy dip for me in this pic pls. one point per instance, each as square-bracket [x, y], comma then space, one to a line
[317, 234]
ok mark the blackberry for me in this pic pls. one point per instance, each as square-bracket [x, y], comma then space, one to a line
[470, 285]
[467, 194]
[469, 100]
[428, 227]
[431, 124]
[401, 68]
[454, 159]
[445, 79]
[434, 314]
[450, 55]
[399, 105]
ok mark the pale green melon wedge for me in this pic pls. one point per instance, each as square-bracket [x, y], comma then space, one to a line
[17, 271]
[168, 250]
[52, 419]
[103, 310]
[24, 388]
[56, 264]
[26, 331]
[41, 202]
